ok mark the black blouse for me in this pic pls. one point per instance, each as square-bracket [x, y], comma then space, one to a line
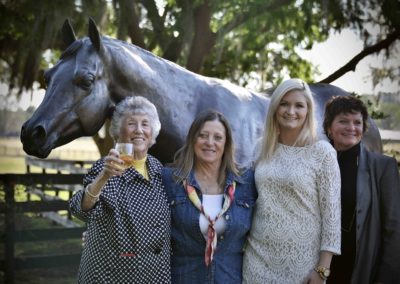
[342, 266]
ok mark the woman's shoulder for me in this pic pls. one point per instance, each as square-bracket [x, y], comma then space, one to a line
[246, 174]
[154, 162]
[245, 181]
[168, 175]
[323, 146]
[381, 158]
[167, 170]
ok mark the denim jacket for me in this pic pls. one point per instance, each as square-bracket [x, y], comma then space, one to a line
[188, 243]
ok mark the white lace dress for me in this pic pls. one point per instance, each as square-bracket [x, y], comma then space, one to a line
[297, 214]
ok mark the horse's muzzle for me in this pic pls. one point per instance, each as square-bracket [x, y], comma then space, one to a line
[34, 140]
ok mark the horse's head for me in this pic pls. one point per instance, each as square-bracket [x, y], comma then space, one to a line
[76, 102]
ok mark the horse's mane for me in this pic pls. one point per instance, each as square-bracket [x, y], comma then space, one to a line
[72, 48]
[115, 44]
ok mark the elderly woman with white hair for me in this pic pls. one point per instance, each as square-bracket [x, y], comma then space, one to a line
[296, 223]
[126, 211]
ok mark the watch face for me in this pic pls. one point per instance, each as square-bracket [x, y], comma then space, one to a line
[326, 273]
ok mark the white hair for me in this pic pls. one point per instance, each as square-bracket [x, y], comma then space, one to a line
[133, 106]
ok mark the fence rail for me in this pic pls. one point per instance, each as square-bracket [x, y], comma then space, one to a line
[15, 150]
[11, 236]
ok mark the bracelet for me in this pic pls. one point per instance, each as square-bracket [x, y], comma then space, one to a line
[91, 194]
[323, 272]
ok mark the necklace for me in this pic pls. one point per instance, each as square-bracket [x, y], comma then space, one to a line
[210, 189]
[208, 184]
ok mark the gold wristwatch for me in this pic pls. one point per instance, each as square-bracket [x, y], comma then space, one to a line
[323, 272]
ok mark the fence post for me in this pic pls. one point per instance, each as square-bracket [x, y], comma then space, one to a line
[28, 171]
[9, 264]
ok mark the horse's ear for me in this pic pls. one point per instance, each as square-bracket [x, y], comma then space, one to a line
[94, 35]
[68, 33]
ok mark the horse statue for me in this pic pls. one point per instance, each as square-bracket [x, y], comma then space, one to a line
[95, 72]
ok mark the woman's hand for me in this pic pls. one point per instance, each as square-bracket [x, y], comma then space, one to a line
[111, 168]
[112, 164]
[314, 278]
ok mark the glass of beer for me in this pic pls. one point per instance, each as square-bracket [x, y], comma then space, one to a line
[125, 153]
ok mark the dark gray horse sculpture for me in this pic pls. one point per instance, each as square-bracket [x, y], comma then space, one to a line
[94, 73]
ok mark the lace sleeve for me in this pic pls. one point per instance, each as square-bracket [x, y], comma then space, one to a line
[329, 201]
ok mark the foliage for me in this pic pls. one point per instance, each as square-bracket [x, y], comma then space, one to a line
[386, 114]
[375, 20]
[237, 39]
[251, 42]
[392, 119]
[28, 28]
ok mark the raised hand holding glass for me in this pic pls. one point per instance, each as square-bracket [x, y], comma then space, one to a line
[125, 151]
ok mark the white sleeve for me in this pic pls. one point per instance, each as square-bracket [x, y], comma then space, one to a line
[329, 184]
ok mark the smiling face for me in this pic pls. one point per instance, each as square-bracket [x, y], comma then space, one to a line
[210, 143]
[346, 130]
[136, 129]
[292, 111]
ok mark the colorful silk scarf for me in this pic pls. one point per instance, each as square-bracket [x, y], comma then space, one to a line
[211, 233]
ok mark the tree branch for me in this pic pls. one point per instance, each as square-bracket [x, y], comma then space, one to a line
[352, 64]
[156, 20]
[128, 14]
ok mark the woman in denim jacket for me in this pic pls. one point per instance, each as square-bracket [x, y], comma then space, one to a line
[211, 205]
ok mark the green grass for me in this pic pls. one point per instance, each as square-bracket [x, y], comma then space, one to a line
[15, 165]
[12, 157]
[64, 275]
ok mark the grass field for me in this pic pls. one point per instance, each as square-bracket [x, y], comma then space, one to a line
[15, 165]
[12, 157]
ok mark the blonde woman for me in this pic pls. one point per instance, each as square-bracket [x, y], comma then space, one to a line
[296, 224]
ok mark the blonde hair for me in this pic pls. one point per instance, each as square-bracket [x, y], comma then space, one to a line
[308, 133]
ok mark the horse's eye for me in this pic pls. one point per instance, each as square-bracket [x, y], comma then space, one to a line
[85, 82]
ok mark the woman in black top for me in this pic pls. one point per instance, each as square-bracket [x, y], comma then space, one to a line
[370, 196]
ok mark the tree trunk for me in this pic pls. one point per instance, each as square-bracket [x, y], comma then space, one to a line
[104, 144]
[204, 38]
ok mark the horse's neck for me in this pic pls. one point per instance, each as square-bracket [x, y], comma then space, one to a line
[133, 70]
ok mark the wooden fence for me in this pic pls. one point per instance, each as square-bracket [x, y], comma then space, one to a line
[38, 184]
